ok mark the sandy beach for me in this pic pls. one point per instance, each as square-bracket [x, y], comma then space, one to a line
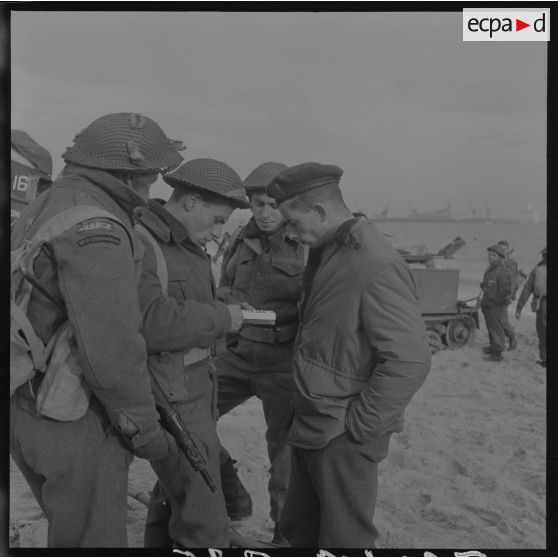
[469, 470]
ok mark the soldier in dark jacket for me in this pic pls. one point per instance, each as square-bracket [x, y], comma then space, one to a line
[78, 470]
[496, 297]
[264, 268]
[536, 286]
[180, 335]
[359, 356]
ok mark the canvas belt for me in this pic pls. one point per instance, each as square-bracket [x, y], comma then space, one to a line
[269, 334]
[196, 357]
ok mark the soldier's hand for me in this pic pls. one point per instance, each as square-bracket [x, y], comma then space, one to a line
[517, 314]
[246, 306]
[224, 293]
[235, 311]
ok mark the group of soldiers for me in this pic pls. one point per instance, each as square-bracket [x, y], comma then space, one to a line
[134, 283]
[499, 288]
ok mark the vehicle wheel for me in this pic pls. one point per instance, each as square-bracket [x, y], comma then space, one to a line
[460, 332]
[434, 341]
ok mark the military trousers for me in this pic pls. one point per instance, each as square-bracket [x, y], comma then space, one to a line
[332, 494]
[540, 325]
[77, 471]
[238, 380]
[183, 510]
[495, 317]
[509, 330]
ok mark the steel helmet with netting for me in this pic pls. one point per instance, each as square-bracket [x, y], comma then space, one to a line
[126, 142]
[209, 175]
[262, 176]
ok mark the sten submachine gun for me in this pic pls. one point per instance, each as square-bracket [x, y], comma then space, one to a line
[173, 423]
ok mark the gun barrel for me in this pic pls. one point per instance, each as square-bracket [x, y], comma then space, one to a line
[173, 423]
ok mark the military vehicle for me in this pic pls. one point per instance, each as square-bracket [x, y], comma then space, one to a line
[450, 322]
[31, 171]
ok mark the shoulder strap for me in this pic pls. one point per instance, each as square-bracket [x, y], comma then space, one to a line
[70, 217]
[162, 271]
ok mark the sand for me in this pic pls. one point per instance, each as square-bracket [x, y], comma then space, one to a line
[469, 470]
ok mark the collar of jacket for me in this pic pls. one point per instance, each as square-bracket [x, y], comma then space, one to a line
[124, 196]
[163, 224]
[167, 227]
[276, 237]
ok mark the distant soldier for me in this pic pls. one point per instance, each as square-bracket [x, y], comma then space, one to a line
[263, 267]
[511, 266]
[87, 277]
[496, 297]
[536, 286]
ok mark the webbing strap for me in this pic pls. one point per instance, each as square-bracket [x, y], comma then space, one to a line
[162, 271]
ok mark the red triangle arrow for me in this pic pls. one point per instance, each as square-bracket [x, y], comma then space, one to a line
[519, 25]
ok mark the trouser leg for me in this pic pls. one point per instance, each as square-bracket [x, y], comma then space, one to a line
[156, 533]
[79, 472]
[345, 474]
[300, 518]
[509, 331]
[275, 389]
[198, 515]
[494, 324]
[541, 329]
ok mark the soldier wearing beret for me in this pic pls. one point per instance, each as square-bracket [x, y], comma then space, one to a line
[359, 356]
[263, 267]
[180, 333]
[87, 278]
[536, 286]
[496, 290]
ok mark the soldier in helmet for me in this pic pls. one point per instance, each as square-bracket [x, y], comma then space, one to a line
[263, 267]
[496, 297]
[78, 470]
[536, 286]
[180, 337]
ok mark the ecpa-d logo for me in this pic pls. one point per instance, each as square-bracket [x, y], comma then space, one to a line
[491, 24]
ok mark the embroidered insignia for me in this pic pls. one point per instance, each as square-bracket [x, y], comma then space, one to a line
[103, 238]
[95, 226]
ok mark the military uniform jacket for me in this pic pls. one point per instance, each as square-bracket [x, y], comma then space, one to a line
[496, 286]
[190, 317]
[92, 270]
[531, 288]
[361, 350]
[266, 271]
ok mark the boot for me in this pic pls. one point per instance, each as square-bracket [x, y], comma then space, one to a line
[487, 350]
[237, 499]
[495, 356]
[278, 538]
[513, 344]
[542, 363]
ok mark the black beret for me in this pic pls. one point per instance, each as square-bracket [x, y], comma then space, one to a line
[212, 176]
[301, 178]
[498, 250]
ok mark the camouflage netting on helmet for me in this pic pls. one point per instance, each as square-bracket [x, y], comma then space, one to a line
[209, 175]
[127, 142]
[262, 176]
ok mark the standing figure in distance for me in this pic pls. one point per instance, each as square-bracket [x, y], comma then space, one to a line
[263, 267]
[495, 299]
[359, 356]
[536, 286]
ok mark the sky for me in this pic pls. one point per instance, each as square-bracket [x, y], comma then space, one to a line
[413, 115]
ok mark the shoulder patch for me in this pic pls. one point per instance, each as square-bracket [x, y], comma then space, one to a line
[98, 238]
[95, 225]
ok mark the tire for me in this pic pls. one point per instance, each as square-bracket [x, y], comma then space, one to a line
[460, 332]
